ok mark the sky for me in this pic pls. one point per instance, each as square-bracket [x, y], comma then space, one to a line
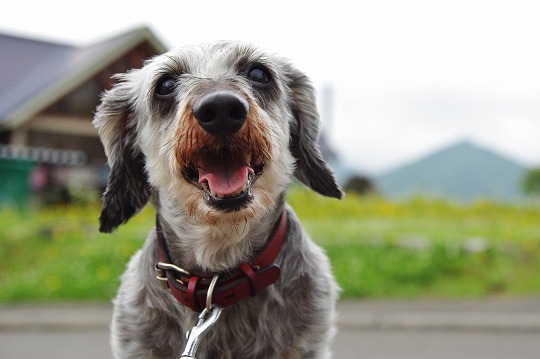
[408, 77]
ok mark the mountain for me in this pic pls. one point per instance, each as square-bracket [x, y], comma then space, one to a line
[463, 171]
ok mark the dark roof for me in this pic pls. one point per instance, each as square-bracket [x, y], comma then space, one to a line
[27, 65]
[33, 73]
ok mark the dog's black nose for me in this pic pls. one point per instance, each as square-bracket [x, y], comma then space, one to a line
[221, 112]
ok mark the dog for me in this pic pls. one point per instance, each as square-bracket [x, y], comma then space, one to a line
[212, 136]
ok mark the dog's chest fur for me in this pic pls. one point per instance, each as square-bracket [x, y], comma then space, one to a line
[294, 316]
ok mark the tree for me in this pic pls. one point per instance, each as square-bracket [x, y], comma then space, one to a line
[531, 181]
[361, 185]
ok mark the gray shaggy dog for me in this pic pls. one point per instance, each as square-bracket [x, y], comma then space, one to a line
[212, 137]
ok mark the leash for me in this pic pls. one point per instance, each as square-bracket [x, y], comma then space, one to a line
[221, 290]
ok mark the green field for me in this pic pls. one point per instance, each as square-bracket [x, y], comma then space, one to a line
[378, 249]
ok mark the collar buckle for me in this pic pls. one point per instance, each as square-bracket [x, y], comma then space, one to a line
[161, 273]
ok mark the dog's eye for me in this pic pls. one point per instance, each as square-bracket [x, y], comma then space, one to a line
[259, 74]
[165, 86]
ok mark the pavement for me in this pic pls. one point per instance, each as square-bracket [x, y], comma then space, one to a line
[493, 328]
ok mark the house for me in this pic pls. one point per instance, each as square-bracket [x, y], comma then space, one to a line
[48, 95]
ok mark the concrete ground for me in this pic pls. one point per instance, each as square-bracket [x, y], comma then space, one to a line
[494, 329]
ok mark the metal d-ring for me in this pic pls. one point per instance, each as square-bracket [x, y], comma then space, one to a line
[211, 291]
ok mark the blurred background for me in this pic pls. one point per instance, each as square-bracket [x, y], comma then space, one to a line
[403, 85]
[430, 113]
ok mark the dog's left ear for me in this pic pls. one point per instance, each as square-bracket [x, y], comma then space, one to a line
[311, 168]
[127, 188]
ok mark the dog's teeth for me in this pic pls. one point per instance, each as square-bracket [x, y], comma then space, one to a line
[238, 193]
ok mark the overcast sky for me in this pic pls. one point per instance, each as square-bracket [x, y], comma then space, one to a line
[408, 76]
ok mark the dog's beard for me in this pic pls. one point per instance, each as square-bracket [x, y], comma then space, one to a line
[193, 199]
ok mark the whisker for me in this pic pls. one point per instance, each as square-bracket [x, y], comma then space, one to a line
[170, 142]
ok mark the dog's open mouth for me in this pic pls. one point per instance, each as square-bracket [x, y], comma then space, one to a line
[225, 177]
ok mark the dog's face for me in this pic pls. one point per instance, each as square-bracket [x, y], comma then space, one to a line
[219, 130]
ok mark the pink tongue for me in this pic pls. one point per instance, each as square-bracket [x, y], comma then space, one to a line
[224, 177]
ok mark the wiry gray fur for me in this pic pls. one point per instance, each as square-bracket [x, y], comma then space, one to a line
[294, 318]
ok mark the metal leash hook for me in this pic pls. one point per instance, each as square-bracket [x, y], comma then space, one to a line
[208, 317]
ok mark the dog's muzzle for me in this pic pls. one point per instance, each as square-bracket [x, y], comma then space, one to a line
[225, 171]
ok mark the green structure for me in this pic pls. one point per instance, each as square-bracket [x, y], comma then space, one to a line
[15, 182]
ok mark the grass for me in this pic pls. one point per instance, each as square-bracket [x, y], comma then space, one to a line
[426, 247]
[58, 254]
[378, 249]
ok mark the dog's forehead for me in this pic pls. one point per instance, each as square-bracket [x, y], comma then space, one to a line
[220, 58]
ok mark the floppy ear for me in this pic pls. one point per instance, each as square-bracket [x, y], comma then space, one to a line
[127, 188]
[311, 168]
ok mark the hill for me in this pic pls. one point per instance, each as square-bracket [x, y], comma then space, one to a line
[463, 171]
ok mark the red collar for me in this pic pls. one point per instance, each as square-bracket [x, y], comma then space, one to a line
[248, 280]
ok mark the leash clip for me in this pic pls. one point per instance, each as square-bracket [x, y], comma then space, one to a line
[207, 319]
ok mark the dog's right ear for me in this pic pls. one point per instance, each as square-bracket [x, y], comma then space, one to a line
[311, 168]
[127, 187]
